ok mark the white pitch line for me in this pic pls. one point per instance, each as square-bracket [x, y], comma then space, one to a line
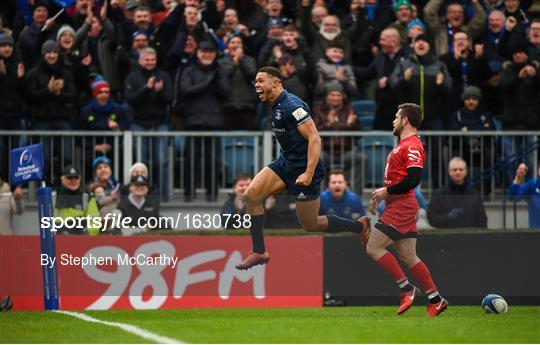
[125, 327]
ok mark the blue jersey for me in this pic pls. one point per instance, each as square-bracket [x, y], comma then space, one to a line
[349, 206]
[289, 112]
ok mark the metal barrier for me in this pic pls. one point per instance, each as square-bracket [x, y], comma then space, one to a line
[187, 162]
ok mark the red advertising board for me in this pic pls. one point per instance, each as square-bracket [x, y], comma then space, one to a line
[150, 272]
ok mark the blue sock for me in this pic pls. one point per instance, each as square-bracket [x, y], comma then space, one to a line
[338, 224]
[257, 236]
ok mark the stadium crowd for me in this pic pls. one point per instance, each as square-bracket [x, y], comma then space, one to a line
[160, 65]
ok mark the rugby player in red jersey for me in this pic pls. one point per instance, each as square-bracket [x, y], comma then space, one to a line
[397, 225]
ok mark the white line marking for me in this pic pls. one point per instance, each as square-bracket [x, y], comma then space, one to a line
[125, 327]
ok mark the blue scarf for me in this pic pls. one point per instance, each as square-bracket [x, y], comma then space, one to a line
[370, 10]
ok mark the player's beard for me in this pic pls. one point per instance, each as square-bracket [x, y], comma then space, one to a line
[397, 131]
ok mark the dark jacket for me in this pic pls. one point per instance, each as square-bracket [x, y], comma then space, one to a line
[422, 88]
[337, 144]
[203, 89]
[470, 70]
[30, 41]
[477, 120]
[149, 107]
[387, 98]
[242, 97]
[95, 117]
[460, 197]
[228, 210]
[521, 108]
[11, 97]
[150, 208]
[44, 104]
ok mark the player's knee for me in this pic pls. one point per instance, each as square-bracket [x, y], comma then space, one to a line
[373, 251]
[251, 196]
[407, 258]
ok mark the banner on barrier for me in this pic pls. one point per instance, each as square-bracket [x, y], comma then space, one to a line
[151, 272]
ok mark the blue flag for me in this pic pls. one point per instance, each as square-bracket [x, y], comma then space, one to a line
[27, 164]
[64, 3]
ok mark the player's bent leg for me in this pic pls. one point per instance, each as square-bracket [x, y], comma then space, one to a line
[265, 183]
[308, 215]
[406, 249]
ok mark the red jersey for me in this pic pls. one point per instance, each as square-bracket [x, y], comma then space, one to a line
[401, 209]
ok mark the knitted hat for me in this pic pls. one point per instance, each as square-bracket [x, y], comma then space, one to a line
[275, 21]
[63, 29]
[6, 39]
[101, 160]
[49, 46]
[422, 37]
[415, 22]
[39, 3]
[334, 86]
[98, 86]
[472, 91]
[400, 3]
[139, 165]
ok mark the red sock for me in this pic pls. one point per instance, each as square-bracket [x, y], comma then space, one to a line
[389, 263]
[422, 275]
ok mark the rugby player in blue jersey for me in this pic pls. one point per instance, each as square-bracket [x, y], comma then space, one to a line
[297, 170]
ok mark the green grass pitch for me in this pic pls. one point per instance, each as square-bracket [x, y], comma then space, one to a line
[459, 324]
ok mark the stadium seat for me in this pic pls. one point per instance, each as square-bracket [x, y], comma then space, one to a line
[238, 156]
[364, 107]
[375, 149]
[367, 122]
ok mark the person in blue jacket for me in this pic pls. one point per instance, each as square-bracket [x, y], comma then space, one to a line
[531, 190]
[339, 201]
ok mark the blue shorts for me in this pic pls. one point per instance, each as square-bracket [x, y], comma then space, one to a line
[289, 176]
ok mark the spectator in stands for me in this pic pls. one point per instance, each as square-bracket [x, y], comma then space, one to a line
[520, 82]
[79, 12]
[512, 8]
[424, 80]
[471, 116]
[338, 200]
[414, 28]
[527, 189]
[167, 6]
[101, 44]
[270, 24]
[32, 37]
[294, 45]
[403, 13]
[318, 13]
[457, 205]
[280, 211]
[11, 98]
[465, 68]
[73, 202]
[203, 88]
[517, 35]
[333, 68]
[103, 177]
[443, 32]
[329, 32]
[52, 96]
[336, 114]
[235, 203]
[102, 114]
[390, 54]
[149, 92]
[138, 206]
[292, 81]
[239, 108]
[11, 203]
[128, 61]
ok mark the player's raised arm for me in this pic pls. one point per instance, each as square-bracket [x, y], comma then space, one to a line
[308, 130]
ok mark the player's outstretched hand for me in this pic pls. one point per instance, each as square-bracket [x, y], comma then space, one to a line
[304, 179]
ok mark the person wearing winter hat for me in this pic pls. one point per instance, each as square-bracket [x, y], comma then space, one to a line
[403, 12]
[415, 28]
[52, 93]
[12, 74]
[103, 176]
[41, 28]
[66, 38]
[335, 113]
[334, 68]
